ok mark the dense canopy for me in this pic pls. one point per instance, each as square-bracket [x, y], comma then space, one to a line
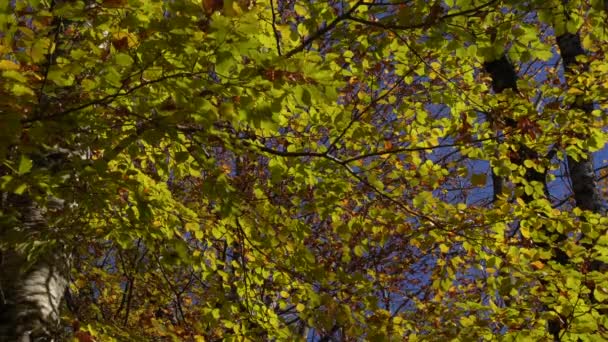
[332, 170]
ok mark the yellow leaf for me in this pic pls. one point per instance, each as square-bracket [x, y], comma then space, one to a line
[525, 231]
[300, 307]
[232, 8]
[284, 294]
[192, 226]
[8, 65]
[537, 264]
[587, 42]
[575, 91]
[301, 10]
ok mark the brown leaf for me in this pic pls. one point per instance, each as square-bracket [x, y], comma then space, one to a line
[211, 6]
[114, 3]
[121, 44]
[84, 336]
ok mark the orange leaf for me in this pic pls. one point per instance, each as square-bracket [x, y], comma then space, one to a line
[537, 264]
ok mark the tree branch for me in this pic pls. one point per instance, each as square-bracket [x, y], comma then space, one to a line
[414, 149]
[274, 28]
[373, 4]
[422, 24]
[322, 31]
[109, 98]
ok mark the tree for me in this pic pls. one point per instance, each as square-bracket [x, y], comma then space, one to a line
[324, 170]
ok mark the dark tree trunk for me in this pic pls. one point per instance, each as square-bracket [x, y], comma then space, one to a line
[504, 77]
[582, 175]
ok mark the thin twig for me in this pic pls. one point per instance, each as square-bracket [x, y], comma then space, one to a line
[388, 26]
[374, 4]
[274, 28]
[414, 149]
[323, 31]
[368, 107]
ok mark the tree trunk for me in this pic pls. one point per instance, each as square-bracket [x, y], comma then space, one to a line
[31, 293]
[32, 297]
[504, 77]
[582, 176]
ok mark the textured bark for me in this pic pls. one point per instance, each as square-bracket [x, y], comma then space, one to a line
[32, 294]
[582, 176]
[32, 286]
[32, 299]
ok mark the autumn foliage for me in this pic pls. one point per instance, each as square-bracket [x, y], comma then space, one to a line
[291, 169]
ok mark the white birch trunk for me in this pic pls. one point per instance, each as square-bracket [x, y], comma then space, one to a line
[31, 294]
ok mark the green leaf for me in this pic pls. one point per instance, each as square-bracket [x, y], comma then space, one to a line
[20, 189]
[15, 75]
[600, 295]
[123, 59]
[60, 77]
[25, 165]
[375, 182]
